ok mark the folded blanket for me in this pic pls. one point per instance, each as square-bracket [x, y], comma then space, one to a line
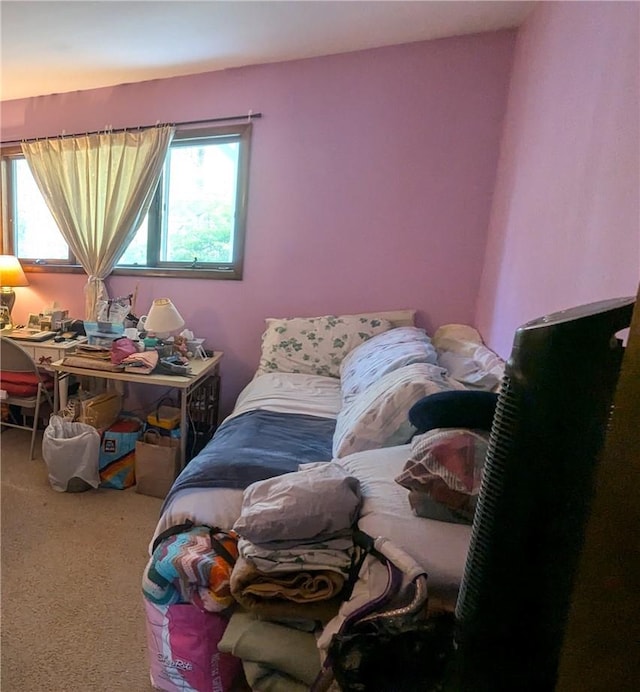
[184, 568]
[312, 594]
[318, 502]
[276, 648]
[333, 555]
[299, 586]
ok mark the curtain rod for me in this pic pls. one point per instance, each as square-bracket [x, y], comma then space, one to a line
[248, 117]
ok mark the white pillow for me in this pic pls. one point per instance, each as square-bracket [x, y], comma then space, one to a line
[379, 416]
[466, 358]
[314, 345]
[381, 354]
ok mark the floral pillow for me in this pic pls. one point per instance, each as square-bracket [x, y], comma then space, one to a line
[380, 355]
[379, 416]
[315, 345]
[443, 473]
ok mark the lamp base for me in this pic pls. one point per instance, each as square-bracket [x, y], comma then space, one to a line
[7, 297]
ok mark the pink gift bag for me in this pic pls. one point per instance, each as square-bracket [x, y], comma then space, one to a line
[183, 650]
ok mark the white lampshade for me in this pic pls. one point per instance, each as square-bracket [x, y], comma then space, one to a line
[163, 318]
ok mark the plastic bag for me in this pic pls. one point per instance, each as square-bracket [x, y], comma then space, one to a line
[71, 451]
[182, 642]
[113, 311]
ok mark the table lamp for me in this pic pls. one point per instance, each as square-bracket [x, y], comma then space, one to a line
[163, 319]
[11, 275]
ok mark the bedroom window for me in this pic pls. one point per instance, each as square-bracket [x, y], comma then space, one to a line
[196, 222]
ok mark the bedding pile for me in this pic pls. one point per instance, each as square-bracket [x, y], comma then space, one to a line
[321, 442]
[296, 543]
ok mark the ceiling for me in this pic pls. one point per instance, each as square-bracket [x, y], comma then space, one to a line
[58, 46]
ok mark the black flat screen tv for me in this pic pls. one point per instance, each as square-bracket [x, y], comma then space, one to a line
[548, 431]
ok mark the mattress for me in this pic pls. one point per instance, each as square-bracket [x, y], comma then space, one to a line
[440, 548]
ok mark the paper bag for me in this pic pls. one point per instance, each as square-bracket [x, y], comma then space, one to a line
[157, 463]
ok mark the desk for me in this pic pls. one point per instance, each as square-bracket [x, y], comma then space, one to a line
[187, 385]
[44, 353]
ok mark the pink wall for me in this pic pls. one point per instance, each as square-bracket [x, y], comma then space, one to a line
[565, 223]
[370, 184]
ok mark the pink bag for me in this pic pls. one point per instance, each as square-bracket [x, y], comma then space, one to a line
[121, 348]
[183, 649]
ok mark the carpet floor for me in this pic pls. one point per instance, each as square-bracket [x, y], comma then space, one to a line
[71, 566]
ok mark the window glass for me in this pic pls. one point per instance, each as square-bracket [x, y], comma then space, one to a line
[201, 196]
[136, 252]
[35, 229]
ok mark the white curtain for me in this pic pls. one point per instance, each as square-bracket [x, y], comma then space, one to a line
[98, 188]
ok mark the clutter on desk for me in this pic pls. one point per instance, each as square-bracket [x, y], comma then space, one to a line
[195, 347]
[141, 362]
[94, 351]
[121, 348]
[52, 318]
[114, 310]
[173, 365]
[90, 363]
[103, 333]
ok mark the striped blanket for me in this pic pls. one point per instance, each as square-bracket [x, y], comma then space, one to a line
[190, 566]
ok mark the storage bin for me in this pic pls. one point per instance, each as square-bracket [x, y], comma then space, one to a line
[102, 333]
[166, 417]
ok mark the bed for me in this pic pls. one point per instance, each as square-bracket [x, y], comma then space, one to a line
[329, 392]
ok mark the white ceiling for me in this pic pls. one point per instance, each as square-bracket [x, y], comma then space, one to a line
[59, 46]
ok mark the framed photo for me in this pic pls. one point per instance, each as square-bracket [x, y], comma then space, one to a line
[5, 317]
[34, 321]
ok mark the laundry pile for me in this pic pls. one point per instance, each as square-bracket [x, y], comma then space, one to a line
[296, 553]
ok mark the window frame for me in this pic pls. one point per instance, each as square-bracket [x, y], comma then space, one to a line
[232, 270]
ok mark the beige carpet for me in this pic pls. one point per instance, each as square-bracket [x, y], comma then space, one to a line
[71, 566]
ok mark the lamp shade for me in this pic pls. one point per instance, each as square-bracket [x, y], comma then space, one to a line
[11, 273]
[163, 318]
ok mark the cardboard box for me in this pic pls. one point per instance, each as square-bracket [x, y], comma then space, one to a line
[102, 410]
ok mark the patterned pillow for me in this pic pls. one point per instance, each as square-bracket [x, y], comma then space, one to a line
[381, 354]
[314, 345]
[378, 417]
[445, 466]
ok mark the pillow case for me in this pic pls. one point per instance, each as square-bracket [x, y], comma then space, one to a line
[314, 345]
[446, 466]
[466, 358]
[455, 409]
[378, 416]
[381, 354]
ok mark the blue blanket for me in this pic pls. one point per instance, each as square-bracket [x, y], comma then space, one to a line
[254, 446]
